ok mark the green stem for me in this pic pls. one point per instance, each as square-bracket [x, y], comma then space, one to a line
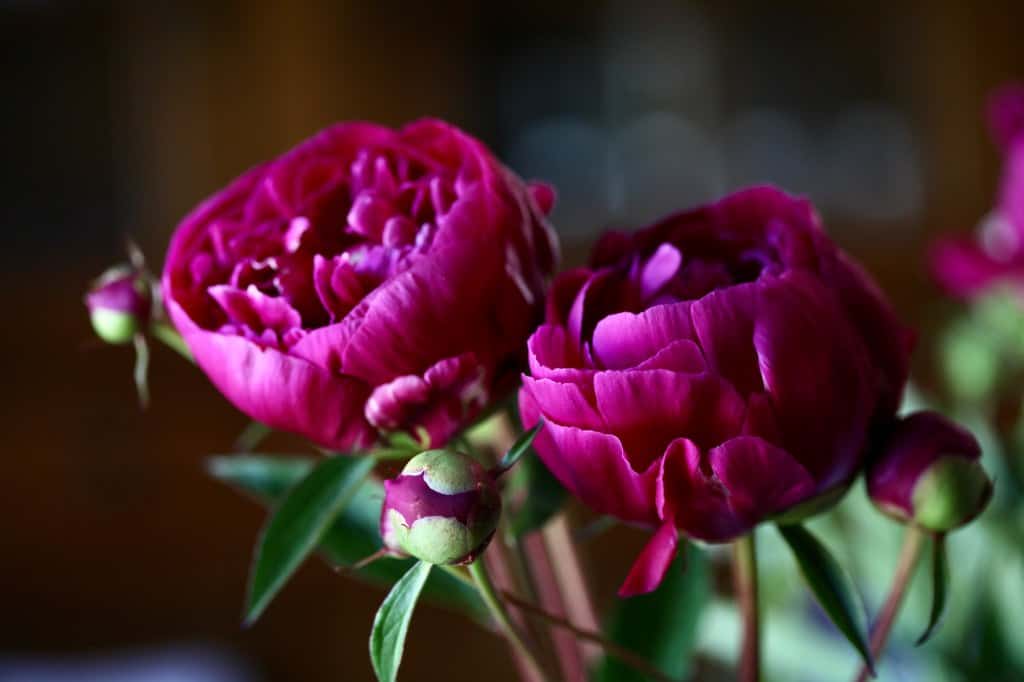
[170, 338]
[909, 556]
[744, 562]
[497, 608]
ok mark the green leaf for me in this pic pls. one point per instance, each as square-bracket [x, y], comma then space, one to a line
[299, 523]
[354, 534]
[534, 495]
[661, 626]
[520, 447]
[268, 477]
[940, 585]
[390, 625]
[831, 586]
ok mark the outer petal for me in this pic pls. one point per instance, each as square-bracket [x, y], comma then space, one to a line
[808, 350]
[724, 323]
[593, 466]
[759, 478]
[887, 341]
[650, 567]
[281, 391]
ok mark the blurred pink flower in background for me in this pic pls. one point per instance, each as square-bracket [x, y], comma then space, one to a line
[968, 266]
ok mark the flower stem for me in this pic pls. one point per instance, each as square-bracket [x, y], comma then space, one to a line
[497, 608]
[618, 651]
[628, 657]
[744, 566]
[170, 338]
[909, 555]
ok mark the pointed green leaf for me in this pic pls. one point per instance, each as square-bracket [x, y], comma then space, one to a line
[661, 626]
[266, 476]
[299, 523]
[520, 447]
[390, 625]
[831, 586]
[940, 585]
[353, 535]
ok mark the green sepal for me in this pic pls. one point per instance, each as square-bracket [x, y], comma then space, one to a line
[519, 448]
[940, 587]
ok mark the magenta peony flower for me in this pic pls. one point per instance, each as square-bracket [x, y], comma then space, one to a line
[370, 280]
[968, 266]
[714, 370]
[927, 472]
[443, 508]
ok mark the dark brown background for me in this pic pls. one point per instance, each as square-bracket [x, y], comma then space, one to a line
[118, 117]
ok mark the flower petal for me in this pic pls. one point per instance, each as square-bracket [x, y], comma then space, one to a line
[648, 409]
[565, 402]
[650, 567]
[808, 350]
[625, 340]
[724, 323]
[691, 499]
[553, 355]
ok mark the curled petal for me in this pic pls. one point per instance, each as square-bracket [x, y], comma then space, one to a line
[553, 355]
[760, 479]
[694, 501]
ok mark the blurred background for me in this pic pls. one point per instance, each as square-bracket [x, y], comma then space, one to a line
[119, 558]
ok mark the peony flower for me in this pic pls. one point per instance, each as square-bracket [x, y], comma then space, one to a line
[928, 473]
[120, 303]
[719, 368]
[970, 266]
[368, 281]
[443, 508]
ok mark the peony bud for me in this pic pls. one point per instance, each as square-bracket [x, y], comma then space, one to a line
[927, 472]
[119, 304]
[443, 508]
